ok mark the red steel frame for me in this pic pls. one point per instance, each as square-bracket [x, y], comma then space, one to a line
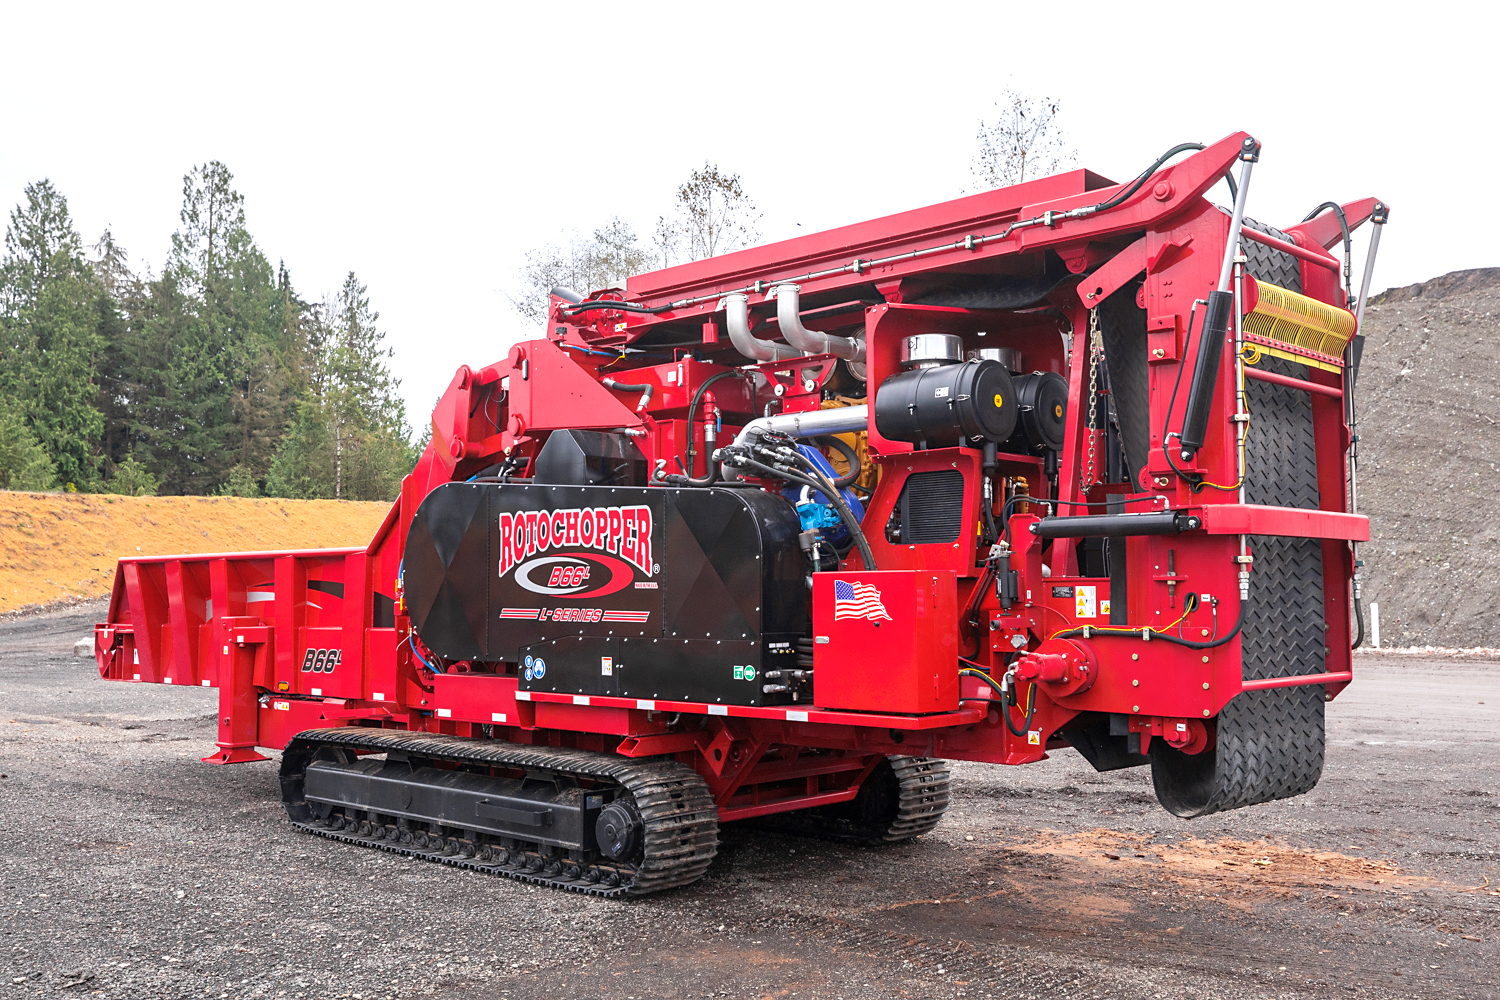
[305, 639]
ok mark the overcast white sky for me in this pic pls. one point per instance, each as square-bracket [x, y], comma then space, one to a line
[426, 147]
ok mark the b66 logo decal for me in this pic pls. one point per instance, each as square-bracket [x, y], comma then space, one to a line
[321, 661]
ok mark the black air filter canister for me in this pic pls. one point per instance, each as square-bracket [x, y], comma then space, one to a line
[1042, 399]
[942, 404]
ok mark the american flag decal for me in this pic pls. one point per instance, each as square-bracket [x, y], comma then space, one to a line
[857, 600]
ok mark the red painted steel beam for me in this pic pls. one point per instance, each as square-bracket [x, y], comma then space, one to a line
[939, 235]
[963, 717]
[1262, 683]
[1324, 230]
[1301, 253]
[1293, 383]
[785, 805]
[1294, 522]
[237, 556]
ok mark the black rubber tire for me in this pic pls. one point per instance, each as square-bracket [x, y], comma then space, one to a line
[1269, 744]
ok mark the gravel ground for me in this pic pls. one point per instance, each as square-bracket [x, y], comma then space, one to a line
[1429, 405]
[132, 870]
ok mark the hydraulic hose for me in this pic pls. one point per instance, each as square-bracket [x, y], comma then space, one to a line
[976, 597]
[824, 487]
[693, 410]
[1359, 616]
[850, 455]
[1140, 633]
[846, 514]
[644, 388]
[1338, 210]
[985, 678]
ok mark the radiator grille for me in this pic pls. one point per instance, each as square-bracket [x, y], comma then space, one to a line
[932, 507]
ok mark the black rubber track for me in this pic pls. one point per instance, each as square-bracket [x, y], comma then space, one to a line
[1268, 264]
[1270, 743]
[680, 818]
[903, 798]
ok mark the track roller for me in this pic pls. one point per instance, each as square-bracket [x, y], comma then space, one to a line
[568, 819]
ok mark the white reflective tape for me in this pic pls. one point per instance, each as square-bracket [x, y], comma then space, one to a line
[796, 716]
[137, 655]
[645, 706]
[523, 696]
[318, 692]
[580, 699]
[445, 713]
[718, 710]
[206, 684]
[497, 716]
[377, 696]
[136, 677]
[239, 638]
[166, 680]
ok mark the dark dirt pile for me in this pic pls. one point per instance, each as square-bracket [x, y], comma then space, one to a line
[1429, 424]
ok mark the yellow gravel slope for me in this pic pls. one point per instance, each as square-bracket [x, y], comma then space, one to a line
[63, 546]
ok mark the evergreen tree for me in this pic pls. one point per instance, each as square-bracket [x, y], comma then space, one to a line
[24, 464]
[123, 360]
[132, 479]
[51, 309]
[350, 439]
[220, 364]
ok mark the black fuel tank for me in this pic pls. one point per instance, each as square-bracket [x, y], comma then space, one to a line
[492, 568]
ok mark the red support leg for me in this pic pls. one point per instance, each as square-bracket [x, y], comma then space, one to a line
[238, 709]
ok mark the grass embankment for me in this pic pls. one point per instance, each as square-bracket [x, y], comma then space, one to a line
[60, 547]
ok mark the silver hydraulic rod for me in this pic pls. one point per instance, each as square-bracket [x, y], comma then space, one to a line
[1241, 414]
[1378, 219]
[1248, 155]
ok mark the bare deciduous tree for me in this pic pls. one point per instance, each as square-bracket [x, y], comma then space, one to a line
[584, 264]
[712, 215]
[1022, 143]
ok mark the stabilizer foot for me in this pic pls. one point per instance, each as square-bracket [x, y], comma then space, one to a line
[235, 755]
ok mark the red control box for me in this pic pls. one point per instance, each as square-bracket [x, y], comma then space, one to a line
[886, 641]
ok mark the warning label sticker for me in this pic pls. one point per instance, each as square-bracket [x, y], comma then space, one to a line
[1084, 605]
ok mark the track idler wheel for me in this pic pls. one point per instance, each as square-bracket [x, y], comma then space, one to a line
[903, 798]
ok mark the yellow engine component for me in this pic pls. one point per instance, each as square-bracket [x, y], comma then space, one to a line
[859, 440]
[1292, 326]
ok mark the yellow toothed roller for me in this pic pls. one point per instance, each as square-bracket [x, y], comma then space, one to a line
[1292, 326]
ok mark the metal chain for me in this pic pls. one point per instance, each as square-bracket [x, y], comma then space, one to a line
[1096, 345]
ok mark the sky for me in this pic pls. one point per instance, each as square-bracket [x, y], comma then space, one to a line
[428, 147]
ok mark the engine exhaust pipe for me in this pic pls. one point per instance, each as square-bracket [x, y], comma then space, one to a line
[789, 318]
[737, 319]
[811, 423]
